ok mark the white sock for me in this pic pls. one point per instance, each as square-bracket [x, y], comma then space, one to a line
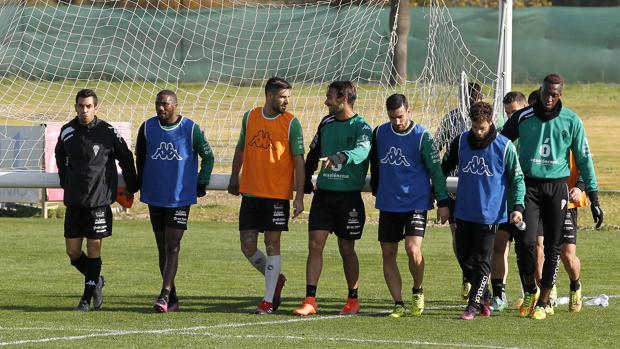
[272, 272]
[258, 261]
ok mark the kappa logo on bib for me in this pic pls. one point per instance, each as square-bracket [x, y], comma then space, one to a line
[478, 166]
[166, 151]
[395, 157]
[262, 140]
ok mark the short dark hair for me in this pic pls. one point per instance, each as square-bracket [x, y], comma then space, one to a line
[345, 88]
[553, 79]
[475, 92]
[276, 84]
[167, 93]
[533, 97]
[396, 101]
[85, 93]
[481, 111]
[514, 96]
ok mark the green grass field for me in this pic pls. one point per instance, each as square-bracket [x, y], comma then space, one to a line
[218, 290]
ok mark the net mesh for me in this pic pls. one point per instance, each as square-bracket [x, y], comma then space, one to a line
[217, 55]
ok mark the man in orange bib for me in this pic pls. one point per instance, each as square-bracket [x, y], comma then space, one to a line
[271, 151]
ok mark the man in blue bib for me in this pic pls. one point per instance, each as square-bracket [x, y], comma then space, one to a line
[167, 153]
[490, 184]
[404, 160]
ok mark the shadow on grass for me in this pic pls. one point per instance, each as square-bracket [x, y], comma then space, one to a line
[223, 304]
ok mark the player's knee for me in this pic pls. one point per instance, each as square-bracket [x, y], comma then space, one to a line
[347, 251]
[315, 247]
[173, 248]
[73, 254]
[272, 249]
[248, 250]
[414, 252]
[568, 256]
[389, 253]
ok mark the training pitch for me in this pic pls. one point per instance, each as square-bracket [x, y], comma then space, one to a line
[218, 290]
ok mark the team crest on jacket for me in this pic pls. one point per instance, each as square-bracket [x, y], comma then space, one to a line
[166, 151]
[261, 140]
[395, 157]
[478, 166]
[96, 149]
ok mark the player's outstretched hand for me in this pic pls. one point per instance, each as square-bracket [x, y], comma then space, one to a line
[444, 214]
[201, 190]
[233, 189]
[595, 207]
[298, 207]
[597, 214]
[574, 194]
[516, 217]
[334, 160]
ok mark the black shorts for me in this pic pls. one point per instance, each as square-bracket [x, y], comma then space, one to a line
[172, 217]
[395, 226]
[569, 230]
[339, 212]
[509, 228]
[88, 222]
[264, 214]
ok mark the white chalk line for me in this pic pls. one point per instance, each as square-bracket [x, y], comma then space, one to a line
[352, 340]
[108, 333]
[192, 331]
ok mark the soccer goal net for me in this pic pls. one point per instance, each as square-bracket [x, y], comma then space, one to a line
[216, 54]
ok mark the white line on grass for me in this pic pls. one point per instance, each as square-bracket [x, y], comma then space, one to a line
[352, 340]
[167, 330]
[108, 333]
[54, 329]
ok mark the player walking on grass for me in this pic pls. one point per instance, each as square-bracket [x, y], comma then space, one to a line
[568, 254]
[490, 185]
[271, 151]
[167, 153]
[452, 125]
[342, 141]
[403, 161]
[512, 101]
[547, 132]
[86, 155]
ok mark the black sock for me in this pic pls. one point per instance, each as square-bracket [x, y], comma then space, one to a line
[352, 293]
[80, 263]
[575, 285]
[475, 305]
[173, 295]
[310, 290]
[531, 289]
[399, 303]
[540, 303]
[91, 277]
[417, 290]
[499, 288]
[165, 293]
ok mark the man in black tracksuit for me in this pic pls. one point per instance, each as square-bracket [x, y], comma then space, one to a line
[85, 156]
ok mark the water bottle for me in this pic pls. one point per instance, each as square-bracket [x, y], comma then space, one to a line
[521, 225]
[599, 301]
